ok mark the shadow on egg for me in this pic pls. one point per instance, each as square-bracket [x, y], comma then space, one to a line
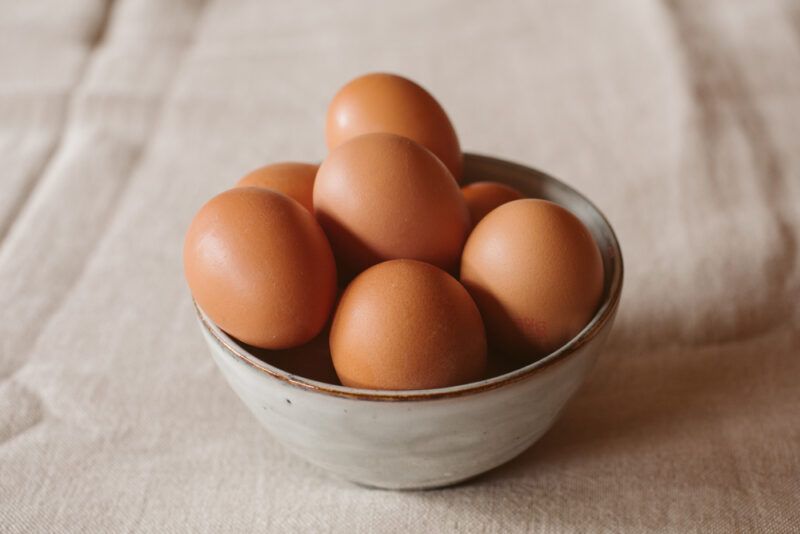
[352, 254]
[500, 325]
[312, 360]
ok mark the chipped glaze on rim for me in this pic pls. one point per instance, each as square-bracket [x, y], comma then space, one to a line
[601, 318]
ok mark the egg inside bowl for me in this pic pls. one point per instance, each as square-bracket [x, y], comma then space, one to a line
[436, 437]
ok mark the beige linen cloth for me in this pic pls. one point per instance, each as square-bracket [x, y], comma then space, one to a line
[680, 119]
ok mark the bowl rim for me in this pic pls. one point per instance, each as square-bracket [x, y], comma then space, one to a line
[601, 318]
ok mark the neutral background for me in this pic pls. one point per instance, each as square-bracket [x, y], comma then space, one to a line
[681, 120]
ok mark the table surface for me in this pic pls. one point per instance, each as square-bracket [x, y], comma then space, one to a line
[680, 119]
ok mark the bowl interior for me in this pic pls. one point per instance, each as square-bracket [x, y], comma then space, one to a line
[534, 184]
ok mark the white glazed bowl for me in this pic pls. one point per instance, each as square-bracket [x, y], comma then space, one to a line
[429, 438]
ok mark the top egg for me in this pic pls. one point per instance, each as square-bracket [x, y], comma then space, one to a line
[389, 103]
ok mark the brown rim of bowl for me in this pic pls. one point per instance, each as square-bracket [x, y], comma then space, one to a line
[603, 315]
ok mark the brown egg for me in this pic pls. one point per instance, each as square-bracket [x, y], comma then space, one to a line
[536, 274]
[260, 267]
[483, 197]
[406, 324]
[312, 360]
[295, 180]
[381, 196]
[382, 102]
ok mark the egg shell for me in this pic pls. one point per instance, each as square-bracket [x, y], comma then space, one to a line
[483, 197]
[382, 196]
[381, 102]
[261, 268]
[295, 180]
[536, 274]
[405, 324]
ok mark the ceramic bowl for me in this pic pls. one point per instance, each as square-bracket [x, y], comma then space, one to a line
[429, 438]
